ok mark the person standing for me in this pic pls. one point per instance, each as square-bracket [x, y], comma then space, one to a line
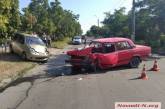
[84, 39]
[44, 38]
[48, 40]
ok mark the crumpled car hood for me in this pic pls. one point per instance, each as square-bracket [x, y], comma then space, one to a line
[80, 52]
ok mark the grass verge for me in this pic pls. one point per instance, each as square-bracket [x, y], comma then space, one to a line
[61, 43]
[14, 70]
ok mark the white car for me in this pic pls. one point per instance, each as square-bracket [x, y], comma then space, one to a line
[77, 40]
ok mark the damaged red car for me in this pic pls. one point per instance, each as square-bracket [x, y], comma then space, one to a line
[108, 52]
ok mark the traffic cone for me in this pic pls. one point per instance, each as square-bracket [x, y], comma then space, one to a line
[143, 74]
[155, 66]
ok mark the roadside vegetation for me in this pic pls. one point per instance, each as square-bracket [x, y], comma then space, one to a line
[60, 44]
[40, 16]
[150, 21]
[13, 68]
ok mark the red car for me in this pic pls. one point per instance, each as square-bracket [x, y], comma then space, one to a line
[108, 52]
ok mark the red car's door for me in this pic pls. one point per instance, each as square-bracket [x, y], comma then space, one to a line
[125, 52]
[109, 57]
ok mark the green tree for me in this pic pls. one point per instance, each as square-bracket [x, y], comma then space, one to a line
[14, 17]
[150, 21]
[51, 19]
[9, 17]
[117, 23]
[5, 7]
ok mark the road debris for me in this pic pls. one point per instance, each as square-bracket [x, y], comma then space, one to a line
[80, 79]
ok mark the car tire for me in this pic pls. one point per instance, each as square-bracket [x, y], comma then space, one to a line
[134, 63]
[95, 66]
[24, 56]
[75, 70]
[45, 61]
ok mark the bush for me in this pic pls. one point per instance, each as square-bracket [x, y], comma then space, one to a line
[162, 40]
[155, 44]
[2, 41]
[141, 42]
[61, 43]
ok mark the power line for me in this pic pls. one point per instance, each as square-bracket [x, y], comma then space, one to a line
[121, 3]
[116, 5]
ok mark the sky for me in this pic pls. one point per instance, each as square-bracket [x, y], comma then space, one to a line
[89, 10]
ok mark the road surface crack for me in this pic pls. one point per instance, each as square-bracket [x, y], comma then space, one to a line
[26, 96]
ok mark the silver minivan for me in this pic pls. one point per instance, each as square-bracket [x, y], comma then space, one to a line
[29, 47]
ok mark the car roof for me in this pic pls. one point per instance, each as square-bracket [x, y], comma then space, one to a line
[112, 40]
[77, 36]
[26, 35]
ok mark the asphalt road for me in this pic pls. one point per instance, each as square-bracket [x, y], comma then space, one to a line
[50, 86]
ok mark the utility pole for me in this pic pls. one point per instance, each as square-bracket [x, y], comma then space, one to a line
[133, 21]
[98, 21]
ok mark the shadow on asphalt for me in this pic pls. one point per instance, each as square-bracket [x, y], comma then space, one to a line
[137, 78]
[61, 69]
[49, 75]
[18, 81]
[118, 68]
[10, 57]
[56, 67]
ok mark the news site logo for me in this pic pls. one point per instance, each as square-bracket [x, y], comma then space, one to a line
[137, 105]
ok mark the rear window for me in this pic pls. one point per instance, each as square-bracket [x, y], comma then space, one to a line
[77, 37]
[123, 45]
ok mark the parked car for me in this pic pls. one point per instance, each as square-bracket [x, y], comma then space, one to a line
[29, 47]
[108, 52]
[77, 40]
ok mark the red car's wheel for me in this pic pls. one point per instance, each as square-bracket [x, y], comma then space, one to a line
[134, 63]
[95, 66]
[75, 70]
